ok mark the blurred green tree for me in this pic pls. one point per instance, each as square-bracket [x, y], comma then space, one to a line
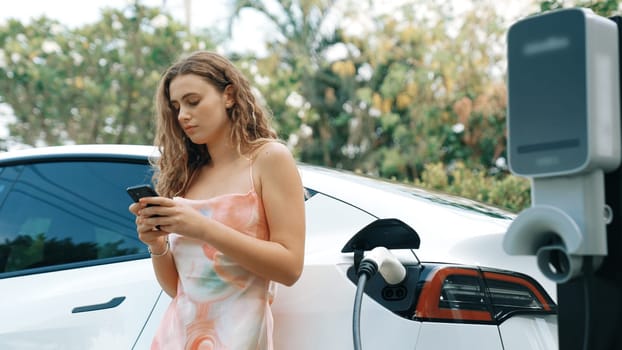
[301, 88]
[94, 84]
[414, 86]
[601, 7]
[437, 92]
[406, 94]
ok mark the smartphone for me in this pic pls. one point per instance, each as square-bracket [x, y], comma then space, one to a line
[139, 191]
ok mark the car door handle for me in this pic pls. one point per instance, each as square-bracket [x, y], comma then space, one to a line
[114, 302]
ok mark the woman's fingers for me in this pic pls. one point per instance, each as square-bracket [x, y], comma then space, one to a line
[155, 206]
[166, 215]
[149, 234]
[148, 210]
[134, 208]
[147, 223]
[161, 201]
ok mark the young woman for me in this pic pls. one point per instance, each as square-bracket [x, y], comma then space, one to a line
[230, 220]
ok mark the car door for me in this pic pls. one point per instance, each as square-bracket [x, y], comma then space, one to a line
[73, 274]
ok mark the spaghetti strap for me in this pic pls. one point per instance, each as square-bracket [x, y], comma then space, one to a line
[250, 160]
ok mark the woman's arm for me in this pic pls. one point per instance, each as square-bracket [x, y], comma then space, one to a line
[283, 198]
[161, 257]
[281, 258]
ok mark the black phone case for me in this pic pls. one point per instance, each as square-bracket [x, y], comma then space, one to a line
[140, 191]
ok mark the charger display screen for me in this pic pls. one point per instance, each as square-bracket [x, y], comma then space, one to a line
[547, 106]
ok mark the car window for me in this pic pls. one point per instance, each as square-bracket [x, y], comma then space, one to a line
[58, 213]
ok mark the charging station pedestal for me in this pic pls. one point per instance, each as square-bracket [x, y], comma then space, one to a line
[564, 134]
[597, 298]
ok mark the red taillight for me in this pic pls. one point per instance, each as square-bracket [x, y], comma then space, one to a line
[505, 291]
[462, 294]
[444, 298]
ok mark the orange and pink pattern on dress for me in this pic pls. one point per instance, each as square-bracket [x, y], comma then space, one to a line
[219, 305]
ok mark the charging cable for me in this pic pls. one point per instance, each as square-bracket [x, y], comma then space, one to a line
[392, 271]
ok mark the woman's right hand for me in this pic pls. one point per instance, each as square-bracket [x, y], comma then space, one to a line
[151, 236]
[155, 239]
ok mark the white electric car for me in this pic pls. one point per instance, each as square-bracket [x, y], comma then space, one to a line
[73, 274]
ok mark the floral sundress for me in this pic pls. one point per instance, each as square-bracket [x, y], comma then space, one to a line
[219, 305]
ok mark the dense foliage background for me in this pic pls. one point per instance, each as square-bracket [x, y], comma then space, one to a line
[416, 95]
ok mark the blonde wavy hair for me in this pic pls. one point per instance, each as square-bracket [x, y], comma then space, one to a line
[180, 160]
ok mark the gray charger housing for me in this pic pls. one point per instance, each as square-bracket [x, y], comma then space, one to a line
[563, 106]
[563, 134]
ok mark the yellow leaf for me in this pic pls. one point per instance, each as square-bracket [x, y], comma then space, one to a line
[329, 96]
[412, 89]
[403, 100]
[377, 101]
[386, 105]
[79, 82]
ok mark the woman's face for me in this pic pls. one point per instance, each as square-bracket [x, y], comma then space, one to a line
[202, 109]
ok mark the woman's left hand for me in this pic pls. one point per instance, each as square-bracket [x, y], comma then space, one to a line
[172, 216]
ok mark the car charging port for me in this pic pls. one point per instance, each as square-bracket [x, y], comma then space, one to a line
[392, 293]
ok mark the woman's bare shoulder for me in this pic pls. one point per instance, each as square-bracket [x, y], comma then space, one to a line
[271, 152]
[276, 167]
